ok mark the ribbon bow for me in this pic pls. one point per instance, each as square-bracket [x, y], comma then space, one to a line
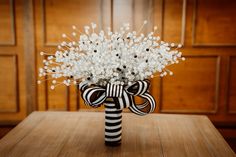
[123, 97]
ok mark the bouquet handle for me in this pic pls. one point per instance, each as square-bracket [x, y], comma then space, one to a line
[113, 123]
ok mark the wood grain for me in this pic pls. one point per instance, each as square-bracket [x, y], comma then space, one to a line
[59, 17]
[232, 86]
[173, 11]
[185, 92]
[81, 134]
[122, 13]
[7, 23]
[29, 56]
[12, 64]
[8, 84]
[193, 87]
[36, 26]
[209, 23]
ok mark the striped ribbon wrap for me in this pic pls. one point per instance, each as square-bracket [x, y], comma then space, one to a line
[115, 98]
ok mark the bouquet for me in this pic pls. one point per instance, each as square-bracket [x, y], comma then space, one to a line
[111, 68]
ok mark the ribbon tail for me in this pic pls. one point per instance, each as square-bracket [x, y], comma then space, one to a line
[137, 110]
[142, 106]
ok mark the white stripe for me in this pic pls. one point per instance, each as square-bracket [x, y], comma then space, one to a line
[117, 91]
[112, 127]
[142, 106]
[110, 109]
[86, 95]
[113, 115]
[110, 104]
[144, 88]
[132, 109]
[113, 120]
[100, 99]
[136, 110]
[110, 90]
[121, 91]
[139, 88]
[113, 139]
[114, 91]
[121, 103]
[126, 98]
[82, 85]
[152, 101]
[107, 90]
[113, 133]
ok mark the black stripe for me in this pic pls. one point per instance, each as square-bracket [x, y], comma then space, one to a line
[109, 104]
[142, 88]
[115, 136]
[113, 112]
[112, 124]
[110, 107]
[124, 102]
[117, 104]
[113, 130]
[113, 118]
[113, 144]
[109, 101]
[117, 91]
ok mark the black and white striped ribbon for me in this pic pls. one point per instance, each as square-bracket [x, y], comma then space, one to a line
[113, 128]
[122, 97]
[95, 96]
[113, 90]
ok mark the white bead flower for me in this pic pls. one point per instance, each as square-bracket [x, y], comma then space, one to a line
[120, 57]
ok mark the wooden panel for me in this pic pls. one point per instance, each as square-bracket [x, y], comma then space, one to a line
[185, 92]
[29, 55]
[174, 20]
[143, 10]
[232, 86]
[58, 98]
[7, 29]
[59, 16]
[134, 12]
[52, 19]
[214, 23]
[193, 88]
[14, 82]
[122, 13]
[8, 84]
[157, 16]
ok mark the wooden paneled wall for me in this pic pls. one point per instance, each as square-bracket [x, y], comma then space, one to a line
[203, 84]
[12, 62]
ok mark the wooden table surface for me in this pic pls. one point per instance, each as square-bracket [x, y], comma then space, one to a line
[79, 134]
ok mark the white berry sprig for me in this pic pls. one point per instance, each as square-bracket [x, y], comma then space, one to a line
[120, 57]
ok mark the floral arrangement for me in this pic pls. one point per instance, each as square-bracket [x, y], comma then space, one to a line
[111, 68]
[122, 57]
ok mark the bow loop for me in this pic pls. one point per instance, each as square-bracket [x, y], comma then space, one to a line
[94, 96]
[122, 96]
[138, 88]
